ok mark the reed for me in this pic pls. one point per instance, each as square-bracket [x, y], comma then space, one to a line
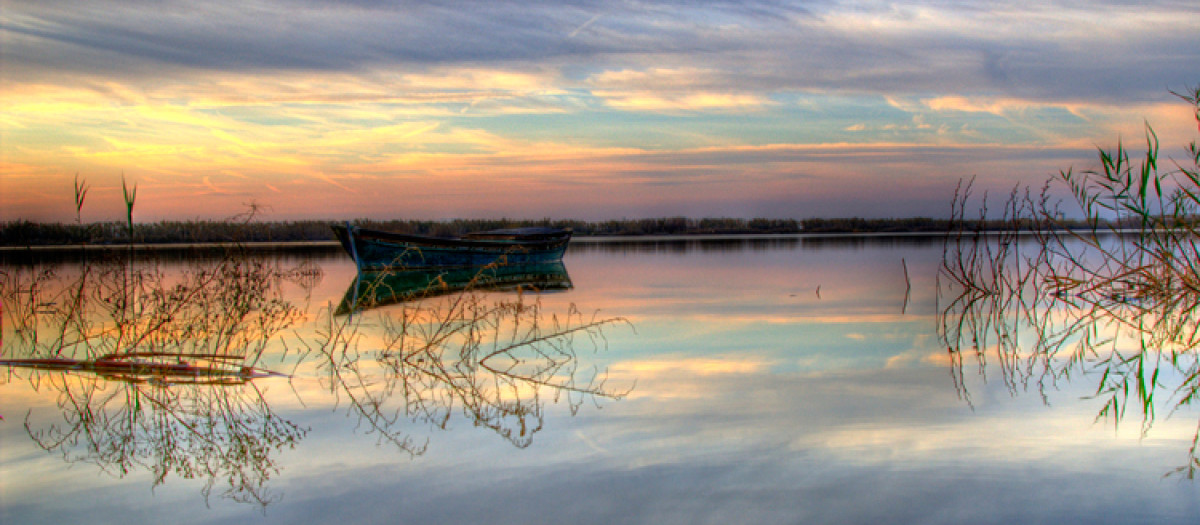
[81, 190]
[1118, 300]
[130, 196]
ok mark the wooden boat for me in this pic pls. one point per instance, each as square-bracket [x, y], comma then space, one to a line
[374, 289]
[374, 250]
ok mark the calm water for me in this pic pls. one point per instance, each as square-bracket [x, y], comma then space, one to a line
[748, 381]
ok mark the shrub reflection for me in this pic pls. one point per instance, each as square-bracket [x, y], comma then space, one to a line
[494, 358]
[154, 371]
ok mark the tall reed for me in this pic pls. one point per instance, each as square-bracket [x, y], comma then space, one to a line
[130, 195]
[81, 190]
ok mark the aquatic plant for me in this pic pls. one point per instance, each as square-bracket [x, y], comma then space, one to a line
[1118, 300]
[115, 308]
[152, 369]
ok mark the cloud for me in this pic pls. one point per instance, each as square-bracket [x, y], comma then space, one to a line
[664, 89]
[1044, 53]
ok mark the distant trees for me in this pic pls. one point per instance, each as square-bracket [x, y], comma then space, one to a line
[859, 225]
[26, 233]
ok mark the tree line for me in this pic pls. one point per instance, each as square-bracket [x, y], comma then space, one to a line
[27, 233]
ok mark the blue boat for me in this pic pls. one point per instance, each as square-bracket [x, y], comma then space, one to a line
[375, 250]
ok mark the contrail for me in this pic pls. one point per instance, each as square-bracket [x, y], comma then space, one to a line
[584, 26]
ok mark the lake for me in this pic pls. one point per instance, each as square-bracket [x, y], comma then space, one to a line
[782, 379]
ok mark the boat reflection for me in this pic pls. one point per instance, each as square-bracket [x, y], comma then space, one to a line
[375, 289]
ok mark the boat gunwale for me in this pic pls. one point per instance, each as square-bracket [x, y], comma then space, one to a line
[366, 234]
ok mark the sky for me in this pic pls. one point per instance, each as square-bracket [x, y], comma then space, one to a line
[593, 110]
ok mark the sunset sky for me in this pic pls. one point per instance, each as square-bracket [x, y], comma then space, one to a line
[571, 109]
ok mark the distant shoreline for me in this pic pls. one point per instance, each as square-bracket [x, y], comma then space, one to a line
[170, 246]
[187, 235]
[26, 233]
[586, 239]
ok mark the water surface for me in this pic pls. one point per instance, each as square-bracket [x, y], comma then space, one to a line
[769, 380]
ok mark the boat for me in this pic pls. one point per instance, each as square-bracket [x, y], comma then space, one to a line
[376, 289]
[376, 250]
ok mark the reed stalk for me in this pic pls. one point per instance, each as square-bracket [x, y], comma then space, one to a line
[81, 190]
[130, 195]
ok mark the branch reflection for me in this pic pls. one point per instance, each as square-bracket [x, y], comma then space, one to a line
[496, 359]
[210, 432]
[154, 370]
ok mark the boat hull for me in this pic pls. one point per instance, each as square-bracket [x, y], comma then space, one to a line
[374, 250]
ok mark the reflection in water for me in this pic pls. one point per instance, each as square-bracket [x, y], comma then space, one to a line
[373, 289]
[1054, 306]
[156, 370]
[684, 244]
[210, 432]
[757, 243]
[495, 359]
